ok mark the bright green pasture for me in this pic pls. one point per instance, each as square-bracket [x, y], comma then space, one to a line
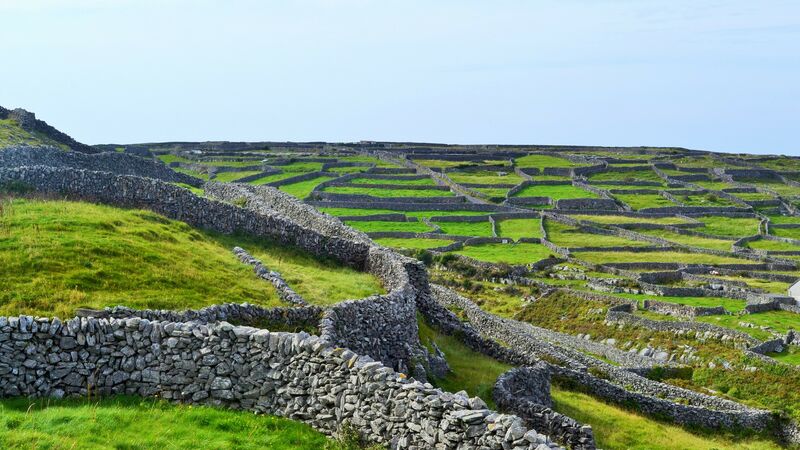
[693, 241]
[555, 191]
[302, 189]
[521, 253]
[686, 258]
[572, 237]
[227, 177]
[383, 226]
[383, 193]
[519, 228]
[638, 175]
[729, 226]
[133, 423]
[485, 177]
[413, 243]
[413, 182]
[542, 161]
[642, 201]
[614, 220]
[476, 229]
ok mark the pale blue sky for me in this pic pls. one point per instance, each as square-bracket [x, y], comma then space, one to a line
[714, 75]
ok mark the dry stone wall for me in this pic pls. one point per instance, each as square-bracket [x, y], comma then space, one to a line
[292, 375]
[115, 162]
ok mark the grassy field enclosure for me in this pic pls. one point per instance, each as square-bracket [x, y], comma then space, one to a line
[555, 191]
[485, 177]
[382, 226]
[302, 189]
[376, 192]
[641, 201]
[685, 258]
[413, 243]
[542, 161]
[478, 229]
[519, 228]
[522, 253]
[571, 237]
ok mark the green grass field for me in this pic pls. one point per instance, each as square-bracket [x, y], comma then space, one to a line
[302, 189]
[714, 185]
[638, 175]
[555, 191]
[383, 193]
[227, 177]
[542, 161]
[519, 228]
[780, 321]
[379, 226]
[791, 233]
[686, 258]
[411, 182]
[417, 214]
[484, 177]
[274, 177]
[477, 229]
[522, 253]
[764, 244]
[709, 200]
[784, 219]
[301, 167]
[134, 423]
[754, 196]
[613, 220]
[56, 256]
[729, 226]
[686, 239]
[642, 201]
[412, 243]
[572, 237]
[617, 428]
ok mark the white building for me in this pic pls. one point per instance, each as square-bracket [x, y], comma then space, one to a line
[794, 290]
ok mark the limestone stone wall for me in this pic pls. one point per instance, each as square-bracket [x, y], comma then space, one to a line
[292, 375]
[525, 391]
[115, 162]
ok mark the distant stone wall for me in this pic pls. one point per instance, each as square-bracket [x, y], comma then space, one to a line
[678, 310]
[115, 162]
[28, 122]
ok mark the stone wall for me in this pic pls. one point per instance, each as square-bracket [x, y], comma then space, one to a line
[115, 162]
[678, 310]
[291, 375]
[619, 386]
[28, 122]
[526, 392]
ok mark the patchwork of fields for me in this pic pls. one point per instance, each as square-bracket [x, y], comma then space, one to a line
[668, 265]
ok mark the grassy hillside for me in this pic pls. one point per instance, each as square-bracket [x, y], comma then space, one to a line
[56, 256]
[12, 134]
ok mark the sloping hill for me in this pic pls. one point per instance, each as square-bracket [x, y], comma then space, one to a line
[21, 127]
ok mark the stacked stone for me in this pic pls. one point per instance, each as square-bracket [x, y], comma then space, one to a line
[292, 375]
[285, 292]
[114, 162]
